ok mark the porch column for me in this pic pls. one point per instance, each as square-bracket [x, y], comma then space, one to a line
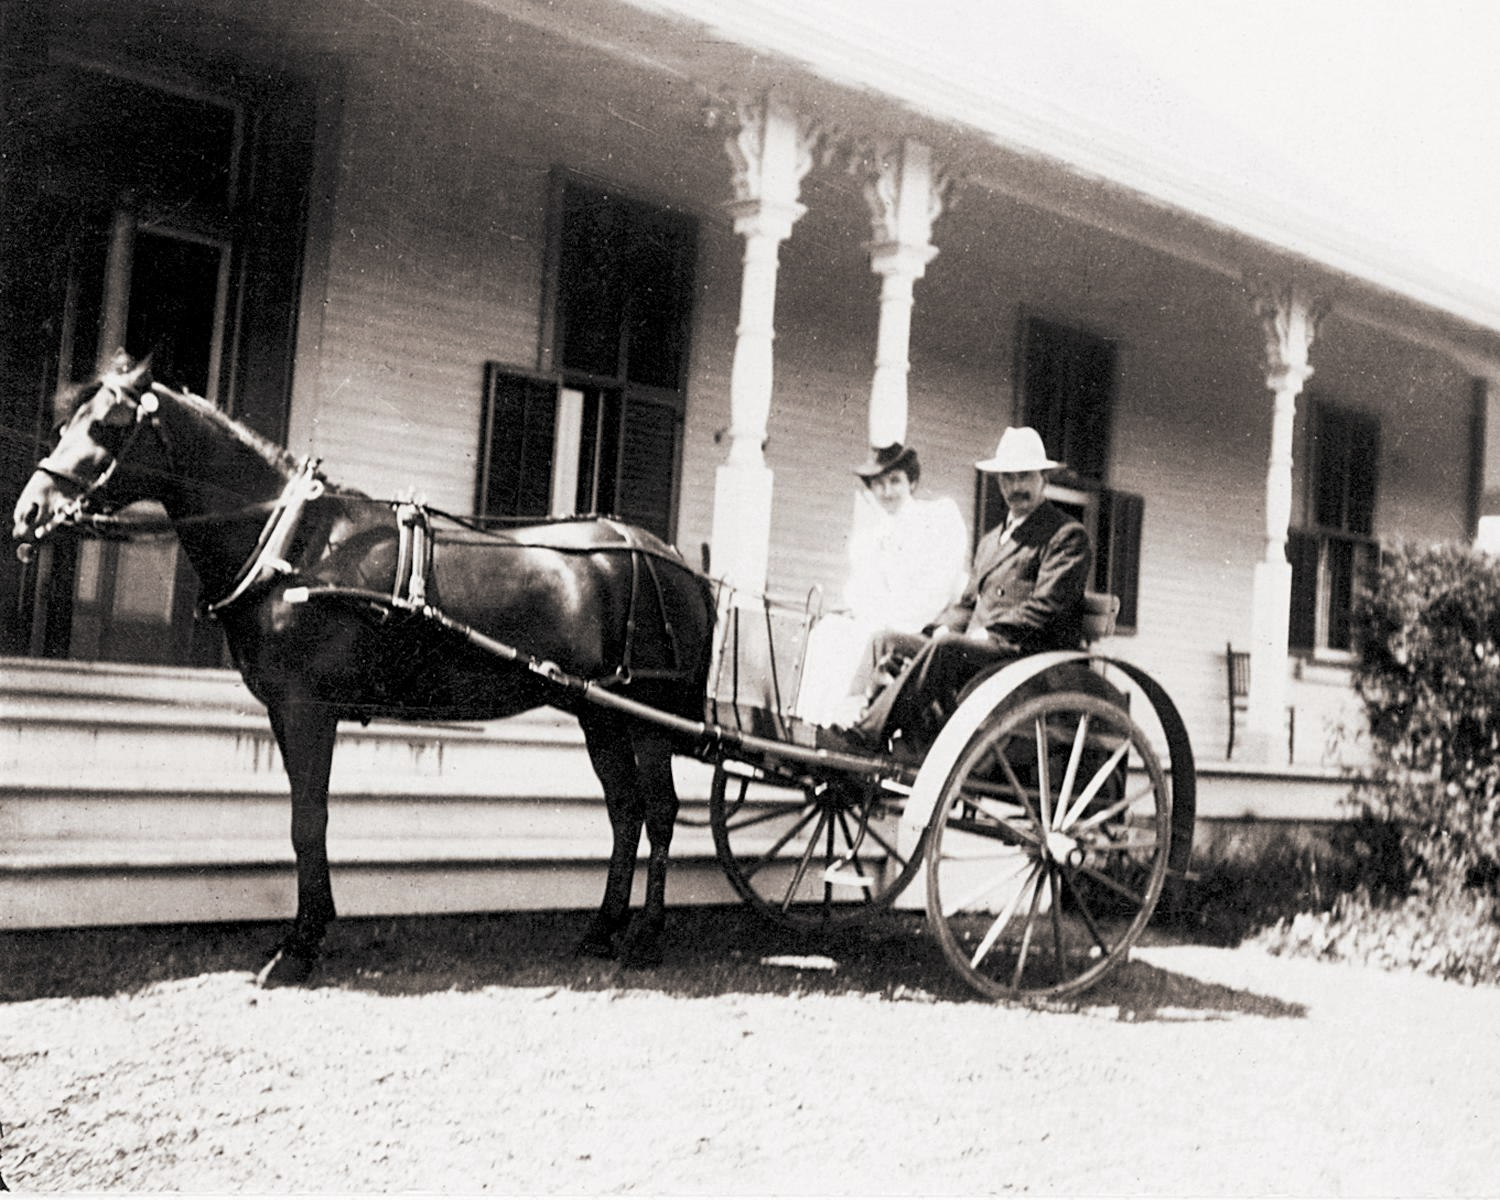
[771, 150]
[905, 196]
[1290, 319]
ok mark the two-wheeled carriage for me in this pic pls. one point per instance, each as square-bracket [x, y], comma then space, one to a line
[1039, 827]
[1040, 819]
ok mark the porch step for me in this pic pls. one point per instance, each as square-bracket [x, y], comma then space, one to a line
[132, 794]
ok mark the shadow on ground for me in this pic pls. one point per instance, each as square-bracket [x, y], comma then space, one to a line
[710, 951]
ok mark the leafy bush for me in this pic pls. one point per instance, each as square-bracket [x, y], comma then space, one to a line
[1428, 676]
[1239, 890]
[1451, 933]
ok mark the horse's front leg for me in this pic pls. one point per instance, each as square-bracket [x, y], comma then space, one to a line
[306, 737]
[658, 794]
[610, 752]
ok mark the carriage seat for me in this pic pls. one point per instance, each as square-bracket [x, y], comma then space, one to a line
[1100, 610]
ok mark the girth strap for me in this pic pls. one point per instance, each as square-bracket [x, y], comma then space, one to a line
[638, 558]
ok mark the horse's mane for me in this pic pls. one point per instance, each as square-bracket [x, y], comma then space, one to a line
[247, 437]
[70, 396]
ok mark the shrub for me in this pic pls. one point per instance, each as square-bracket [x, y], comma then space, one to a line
[1428, 676]
[1420, 890]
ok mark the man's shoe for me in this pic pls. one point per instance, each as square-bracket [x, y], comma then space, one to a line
[845, 740]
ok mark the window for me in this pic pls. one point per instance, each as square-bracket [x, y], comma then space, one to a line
[1067, 385]
[602, 432]
[1067, 380]
[1331, 553]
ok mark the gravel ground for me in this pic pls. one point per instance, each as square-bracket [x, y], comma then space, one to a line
[1192, 1071]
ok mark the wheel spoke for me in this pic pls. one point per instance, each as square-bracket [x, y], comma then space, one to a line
[773, 811]
[889, 847]
[849, 858]
[1043, 765]
[1054, 886]
[1017, 787]
[1113, 885]
[990, 885]
[770, 855]
[992, 935]
[1070, 776]
[1001, 818]
[1088, 917]
[1114, 810]
[801, 871]
[1100, 778]
[1132, 840]
[1025, 950]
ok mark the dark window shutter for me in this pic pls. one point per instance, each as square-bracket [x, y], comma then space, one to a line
[520, 417]
[648, 457]
[1117, 557]
[1302, 553]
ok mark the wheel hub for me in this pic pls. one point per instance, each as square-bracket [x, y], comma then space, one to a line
[1060, 847]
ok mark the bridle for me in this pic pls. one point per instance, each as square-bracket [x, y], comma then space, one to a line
[267, 560]
[77, 509]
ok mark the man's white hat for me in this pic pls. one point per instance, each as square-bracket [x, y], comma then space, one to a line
[1020, 450]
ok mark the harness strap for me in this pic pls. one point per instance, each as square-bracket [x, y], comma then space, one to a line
[268, 559]
[638, 558]
[413, 556]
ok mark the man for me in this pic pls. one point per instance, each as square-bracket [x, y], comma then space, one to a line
[1024, 595]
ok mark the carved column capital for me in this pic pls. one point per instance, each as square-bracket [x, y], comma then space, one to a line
[771, 149]
[905, 192]
[1289, 318]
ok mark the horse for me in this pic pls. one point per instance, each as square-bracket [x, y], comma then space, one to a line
[326, 598]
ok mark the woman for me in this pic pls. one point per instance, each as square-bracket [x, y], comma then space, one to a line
[907, 562]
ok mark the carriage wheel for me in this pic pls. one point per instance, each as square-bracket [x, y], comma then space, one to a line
[1048, 847]
[808, 854]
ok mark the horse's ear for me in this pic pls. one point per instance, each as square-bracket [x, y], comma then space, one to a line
[140, 378]
[134, 376]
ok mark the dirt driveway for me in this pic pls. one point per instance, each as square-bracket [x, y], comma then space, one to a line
[1195, 1071]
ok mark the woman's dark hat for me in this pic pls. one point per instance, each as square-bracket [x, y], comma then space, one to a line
[894, 457]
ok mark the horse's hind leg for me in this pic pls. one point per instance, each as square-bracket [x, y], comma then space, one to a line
[306, 737]
[658, 792]
[610, 751]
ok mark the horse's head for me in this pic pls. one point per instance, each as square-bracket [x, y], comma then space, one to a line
[108, 422]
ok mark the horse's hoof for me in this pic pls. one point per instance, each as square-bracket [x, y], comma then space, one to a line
[287, 968]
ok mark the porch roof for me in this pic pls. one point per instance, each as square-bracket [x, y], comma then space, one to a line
[1040, 107]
